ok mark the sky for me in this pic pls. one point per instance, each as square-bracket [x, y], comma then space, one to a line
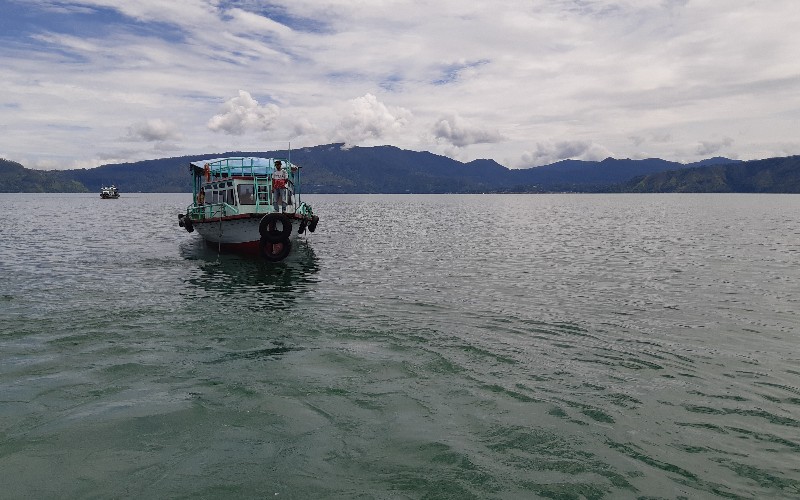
[523, 82]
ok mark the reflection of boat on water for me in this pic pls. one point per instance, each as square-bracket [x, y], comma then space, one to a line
[109, 192]
[248, 205]
[275, 285]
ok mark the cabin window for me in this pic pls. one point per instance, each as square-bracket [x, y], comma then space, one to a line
[246, 194]
[229, 196]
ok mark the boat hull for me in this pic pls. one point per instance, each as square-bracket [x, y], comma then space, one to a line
[235, 200]
[238, 234]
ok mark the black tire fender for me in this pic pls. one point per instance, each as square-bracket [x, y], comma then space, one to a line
[312, 226]
[268, 228]
[274, 251]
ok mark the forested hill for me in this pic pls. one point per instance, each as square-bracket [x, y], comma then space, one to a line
[773, 175]
[18, 179]
[386, 169]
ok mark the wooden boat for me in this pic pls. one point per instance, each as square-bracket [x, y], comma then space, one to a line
[234, 206]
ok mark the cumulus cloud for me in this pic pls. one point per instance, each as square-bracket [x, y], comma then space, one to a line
[304, 126]
[711, 147]
[547, 153]
[454, 130]
[367, 118]
[154, 130]
[243, 114]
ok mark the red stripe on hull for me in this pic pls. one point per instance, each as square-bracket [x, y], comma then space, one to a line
[245, 248]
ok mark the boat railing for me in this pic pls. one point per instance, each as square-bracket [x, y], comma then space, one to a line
[241, 167]
[211, 211]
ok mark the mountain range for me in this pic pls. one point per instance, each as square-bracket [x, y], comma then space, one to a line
[333, 168]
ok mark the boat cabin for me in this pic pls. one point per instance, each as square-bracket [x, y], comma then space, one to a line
[227, 187]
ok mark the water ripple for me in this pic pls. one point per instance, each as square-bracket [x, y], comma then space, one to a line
[554, 346]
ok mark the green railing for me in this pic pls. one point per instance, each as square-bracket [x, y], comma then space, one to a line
[211, 211]
[230, 167]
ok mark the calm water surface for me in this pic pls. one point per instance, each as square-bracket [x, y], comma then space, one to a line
[546, 346]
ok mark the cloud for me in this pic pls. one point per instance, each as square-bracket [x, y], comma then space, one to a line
[154, 130]
[242, 114]
[166, 147]
[637, 140]
[304, 126]
[617, 73]
[650, 139]
[711, 147]
[453, 130]
[367, 118]
[547, 153]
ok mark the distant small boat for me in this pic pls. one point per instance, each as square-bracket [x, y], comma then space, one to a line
[233, 206]
[109, 192]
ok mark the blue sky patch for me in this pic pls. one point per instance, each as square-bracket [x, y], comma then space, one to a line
[19, 21]
[451, 73]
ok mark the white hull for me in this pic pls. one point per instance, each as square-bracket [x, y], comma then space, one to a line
[242, 235]
[234, 231]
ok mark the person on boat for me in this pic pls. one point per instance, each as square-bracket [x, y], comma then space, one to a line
[279, 179]
[201, 196]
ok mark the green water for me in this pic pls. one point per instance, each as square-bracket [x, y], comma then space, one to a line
[547, 346]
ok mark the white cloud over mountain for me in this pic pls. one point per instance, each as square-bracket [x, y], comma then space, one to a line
[521, 82]
[453, 130]
[366, 118]
[242, 114]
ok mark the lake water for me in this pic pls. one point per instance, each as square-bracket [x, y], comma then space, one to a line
[458, 346]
